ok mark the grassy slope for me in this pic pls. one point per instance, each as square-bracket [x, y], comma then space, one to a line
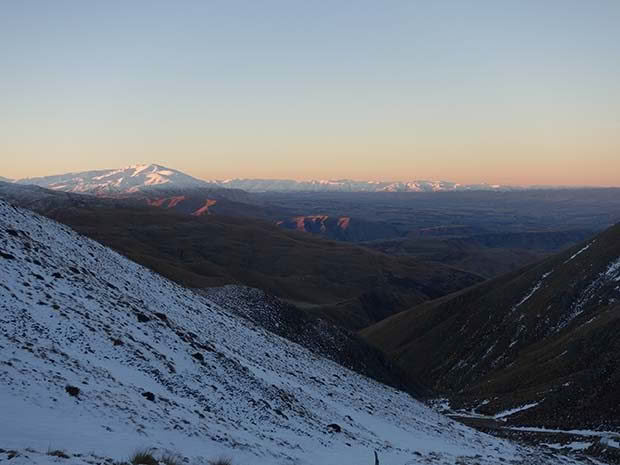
[461, 344]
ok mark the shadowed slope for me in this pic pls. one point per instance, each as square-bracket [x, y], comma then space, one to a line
[546, 336]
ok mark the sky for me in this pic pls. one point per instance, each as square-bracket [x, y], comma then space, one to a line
[512, 92]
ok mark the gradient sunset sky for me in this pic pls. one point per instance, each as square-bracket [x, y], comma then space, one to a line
[499, 91]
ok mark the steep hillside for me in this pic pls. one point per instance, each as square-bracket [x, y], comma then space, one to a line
[318, 335]
[99, 356]
[474, 212]
[545, 338]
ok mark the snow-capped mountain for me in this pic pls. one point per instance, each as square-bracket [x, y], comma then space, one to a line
[348, 185]
[3, 179]
[100, 356]
[127, 180]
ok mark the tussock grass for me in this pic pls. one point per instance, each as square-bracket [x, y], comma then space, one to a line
[58, 453]
[148, 457]
[221, 461]
[170, 459]
[143, 457]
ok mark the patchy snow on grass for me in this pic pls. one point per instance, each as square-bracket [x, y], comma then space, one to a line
[532, 291]
[613, 270]
[611, 274]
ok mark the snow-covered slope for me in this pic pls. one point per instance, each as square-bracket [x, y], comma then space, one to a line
[100, 356]
[124, 180]
[348, 185]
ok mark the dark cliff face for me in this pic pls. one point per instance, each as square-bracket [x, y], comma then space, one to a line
[545, 335]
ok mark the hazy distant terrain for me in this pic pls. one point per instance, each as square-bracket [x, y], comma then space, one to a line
[487, 254]
[488, 233]
[477, 211]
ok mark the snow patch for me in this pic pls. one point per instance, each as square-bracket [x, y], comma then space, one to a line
[512, 411]
[532, 291]
[580, 251]
[575, 445]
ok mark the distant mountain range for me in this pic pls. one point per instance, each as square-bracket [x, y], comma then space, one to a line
[348, 185]
[138, 178]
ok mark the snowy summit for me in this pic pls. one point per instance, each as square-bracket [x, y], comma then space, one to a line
[124, 180]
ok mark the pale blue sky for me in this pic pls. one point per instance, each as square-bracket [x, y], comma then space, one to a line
[524, 92]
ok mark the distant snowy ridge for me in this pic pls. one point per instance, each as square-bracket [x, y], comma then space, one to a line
[100, 356]
[348, 185]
